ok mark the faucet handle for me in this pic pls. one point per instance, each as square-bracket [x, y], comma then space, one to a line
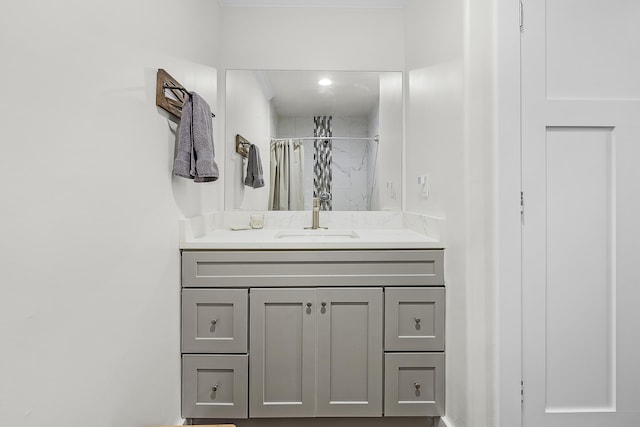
[325, 196]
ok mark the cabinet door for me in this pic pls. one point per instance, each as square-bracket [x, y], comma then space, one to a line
[350, 352]
[282, 357]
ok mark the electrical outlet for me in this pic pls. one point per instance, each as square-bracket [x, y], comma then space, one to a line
[423, 181]
[391, 191]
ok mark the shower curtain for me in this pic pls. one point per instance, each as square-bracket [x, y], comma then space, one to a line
[287, 160]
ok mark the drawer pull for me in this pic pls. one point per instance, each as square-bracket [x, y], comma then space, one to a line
[324, 304]
[214, 321]
[417, 319]
[214, 388]
[416, 385]
[309, 304]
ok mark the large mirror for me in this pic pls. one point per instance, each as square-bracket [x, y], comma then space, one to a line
[335, 135]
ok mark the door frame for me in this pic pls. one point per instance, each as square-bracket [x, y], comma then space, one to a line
[508, 252]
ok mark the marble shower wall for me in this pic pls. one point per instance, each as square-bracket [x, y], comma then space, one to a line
[353, 161]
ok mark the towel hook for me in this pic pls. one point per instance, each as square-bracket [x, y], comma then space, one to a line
[181, 89]
[170, 104]
[242, 146]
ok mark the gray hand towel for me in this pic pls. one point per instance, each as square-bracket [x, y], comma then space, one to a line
[196, 156]
[254, 178]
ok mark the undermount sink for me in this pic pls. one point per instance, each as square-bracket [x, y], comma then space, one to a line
[318, 233]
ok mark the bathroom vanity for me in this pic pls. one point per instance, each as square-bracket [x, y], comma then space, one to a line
[323, 325]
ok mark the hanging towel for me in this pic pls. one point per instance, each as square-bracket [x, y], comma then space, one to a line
[196, 156]
[254, 178]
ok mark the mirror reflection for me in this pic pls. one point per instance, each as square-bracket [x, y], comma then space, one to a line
[331, 135]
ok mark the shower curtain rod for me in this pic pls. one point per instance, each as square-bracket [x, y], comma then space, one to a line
[311, 138]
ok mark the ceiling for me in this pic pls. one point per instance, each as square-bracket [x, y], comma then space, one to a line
[297, 93]
[393, 4]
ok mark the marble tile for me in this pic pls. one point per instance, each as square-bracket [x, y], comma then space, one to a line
[348, 158]
[340, 198]
[340, 126]
[359, 127]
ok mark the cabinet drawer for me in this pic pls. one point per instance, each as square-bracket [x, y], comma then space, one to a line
[312, 268]
[414, 319]
[414, 384]
[214, 320]
[214, 386]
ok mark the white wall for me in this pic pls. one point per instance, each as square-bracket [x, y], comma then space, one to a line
[89, 270]
[480, 143]
[303, 38]
[435, 146]
[248, 113]
[89, 311]
[450, 138]
[390, 145]
[373, 155]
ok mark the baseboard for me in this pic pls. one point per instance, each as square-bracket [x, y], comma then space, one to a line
[324, 422]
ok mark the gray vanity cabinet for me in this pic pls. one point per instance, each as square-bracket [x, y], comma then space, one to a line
[312, 333]
[316, 352]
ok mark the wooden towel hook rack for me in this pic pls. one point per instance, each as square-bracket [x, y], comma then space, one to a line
[172, 104]
[242, 146]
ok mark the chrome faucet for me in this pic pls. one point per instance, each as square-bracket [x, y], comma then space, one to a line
[315, 214]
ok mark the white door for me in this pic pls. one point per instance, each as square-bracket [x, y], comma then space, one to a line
[581, 223]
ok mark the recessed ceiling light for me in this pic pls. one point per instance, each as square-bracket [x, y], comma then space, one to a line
[324, 82]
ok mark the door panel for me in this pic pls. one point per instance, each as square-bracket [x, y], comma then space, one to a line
[350, 352]
[579, 355]
[587, 50]
[282, 357]
[580, 148]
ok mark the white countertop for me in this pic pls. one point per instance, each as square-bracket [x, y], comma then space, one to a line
[269, 239]
[205, 234]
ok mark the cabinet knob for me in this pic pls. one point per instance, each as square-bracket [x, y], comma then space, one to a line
[324, 304]
[309, 304]
[214, 321]
[416, 385]
[417, 319]
[215, 387]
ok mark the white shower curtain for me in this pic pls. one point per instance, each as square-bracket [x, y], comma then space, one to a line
[286, 189]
